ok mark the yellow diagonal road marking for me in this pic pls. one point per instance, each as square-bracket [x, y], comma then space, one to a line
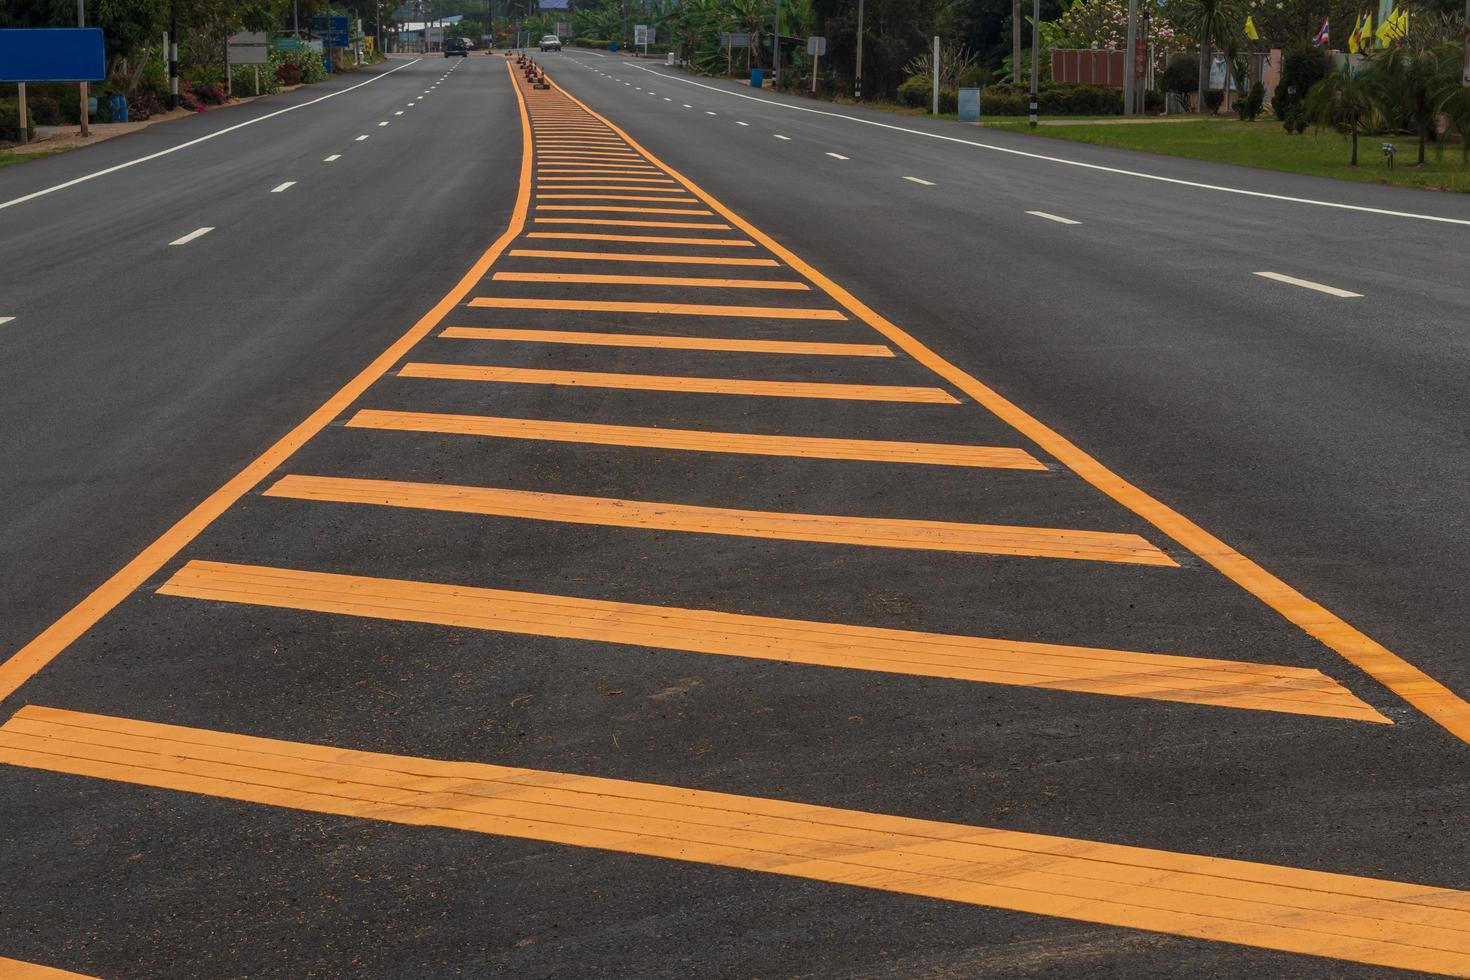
[981, 539]
[542, 196]
[694, 440]
[1337, 916]
[671, 309]
[616, 209]
[540, 253]
[625, 223]
[1120, 673]
[644, 239]
[612, 280]
[17, 970]
[668, 343]
[666, 382]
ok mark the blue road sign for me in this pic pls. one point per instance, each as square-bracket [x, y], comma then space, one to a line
[52, 54]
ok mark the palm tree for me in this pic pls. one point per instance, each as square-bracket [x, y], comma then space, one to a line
[1342, 98]
[1453, 97]
[1406, 82]
[1208, 20]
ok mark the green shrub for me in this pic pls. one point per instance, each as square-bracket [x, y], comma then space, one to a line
[243, 78]
[1181, 77]
[1300, 70]
[1054, 99]
[975, 76]
[1214, 98]
[914, 92]
[587, 42]
[10, 122]
[45, 110]
[1250, 107]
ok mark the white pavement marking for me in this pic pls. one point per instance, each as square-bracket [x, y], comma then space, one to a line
[334, 156]
[194, 142]
[1361, 208]
[1054, 217]
[786, 138]
[6, 319]
[360, 138]
[667, 99]
[739, 123]
[837, 156]
[920, 180]
[282, 187]
[1308, 284]
[398, 113]
[688, 106]
[708, 113]
[196, 233]
[383, 123]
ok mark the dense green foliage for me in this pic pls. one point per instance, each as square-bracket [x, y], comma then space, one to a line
[1300, 70]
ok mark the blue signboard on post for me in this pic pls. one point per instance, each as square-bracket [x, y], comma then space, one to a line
[335, 31]
[52, 54]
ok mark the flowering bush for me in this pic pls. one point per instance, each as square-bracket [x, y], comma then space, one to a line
[1104, 23]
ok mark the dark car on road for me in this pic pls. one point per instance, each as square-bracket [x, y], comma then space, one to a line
[456, 46]
[551, 43]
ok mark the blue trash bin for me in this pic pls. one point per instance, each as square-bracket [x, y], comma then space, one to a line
[757, 78]
[119, 105]
[613, 46]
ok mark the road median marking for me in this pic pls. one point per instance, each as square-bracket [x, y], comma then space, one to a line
[648, 239]
[1016, 663]
[685, 281]
[627, 223]
[667, 382]
[1413, 685]
[538, 253]
[665, 343]
[705, 441]
[669, 309]
[18, 970]
[1308, 284]
[870, 532]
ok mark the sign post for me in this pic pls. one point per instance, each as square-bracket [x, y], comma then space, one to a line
[640, 36]
[52, 54]
[816, 47]
[248, 48]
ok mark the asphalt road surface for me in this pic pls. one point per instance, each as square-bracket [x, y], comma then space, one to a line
[644, 527]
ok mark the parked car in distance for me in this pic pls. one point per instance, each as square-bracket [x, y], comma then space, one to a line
[455, 46]
[551, 43]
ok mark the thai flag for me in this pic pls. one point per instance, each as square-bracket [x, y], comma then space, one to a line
[1323, 36]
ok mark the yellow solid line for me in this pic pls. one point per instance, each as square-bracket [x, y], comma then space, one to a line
[649, 239]
[1017, 663]
[667, 343]
[17, 970]
[621, 223]
[1409, 682]
[673, 309]
[870, 532]
[667, 382]
[1375, 921]
[24, 663]
[534, 253]
[606, 280]
[695, 440]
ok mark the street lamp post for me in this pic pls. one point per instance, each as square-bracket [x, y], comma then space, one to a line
[1035, 42]
[776, 50]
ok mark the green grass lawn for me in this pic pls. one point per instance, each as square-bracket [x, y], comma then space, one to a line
[1266, 144]
[7, 158]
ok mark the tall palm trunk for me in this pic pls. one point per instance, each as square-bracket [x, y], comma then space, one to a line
[1015, 41]
[1205, 56]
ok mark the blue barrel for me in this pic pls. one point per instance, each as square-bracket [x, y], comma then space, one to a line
[613, 46]
[757, 77]
[119, 106]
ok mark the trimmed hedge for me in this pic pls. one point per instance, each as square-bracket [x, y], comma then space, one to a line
[918, 92]
[587, 42]
[1053, 99]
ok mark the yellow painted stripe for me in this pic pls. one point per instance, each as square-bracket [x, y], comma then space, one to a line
[1350, 918]
[622, 223]
[595, 168]
[532, 253]
[667, 382]
[621, 210]
[17, 970]
[36, 654]
[673, 309]
[543, 196]
[620, 180]
[1119, 673]
[871, 532]
[647, 239]
[1409, 682]
[664, 342]
[609, 280]
[545, 190]
[695, 440]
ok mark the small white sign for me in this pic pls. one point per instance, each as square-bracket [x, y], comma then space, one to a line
[249, 48]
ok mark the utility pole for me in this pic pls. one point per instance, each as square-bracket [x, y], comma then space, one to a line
[82, 22]
[296, 17]
[936, 76]
[776, 50]
[1035, 44]
[1130, 58]
[857, 83]
[173, 55]
[1015, 40]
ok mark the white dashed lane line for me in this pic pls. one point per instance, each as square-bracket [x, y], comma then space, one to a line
[780, 137]
[283, 187]
[360, 138]
[1054, 217]
[920, 180]
[739, 123]
[383, 123]
[1308, 284]
[6, 319]
[196, 233]
[334, 156]
[837, 156]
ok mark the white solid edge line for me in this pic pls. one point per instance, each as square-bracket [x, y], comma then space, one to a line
[1308, 284]
[920, 180]
[334, 156]
[1054, 217]
[194, 142]
[837, 156]
[281, 187]
[1361, 208]
[196, 233]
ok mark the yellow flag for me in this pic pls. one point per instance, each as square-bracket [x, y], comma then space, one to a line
[1250, 29]
[1387, 30]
